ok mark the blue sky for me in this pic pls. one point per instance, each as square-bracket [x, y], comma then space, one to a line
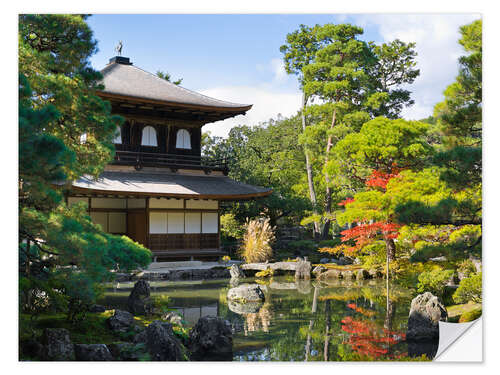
[237, 57]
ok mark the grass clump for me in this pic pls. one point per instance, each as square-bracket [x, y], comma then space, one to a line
[256, 246]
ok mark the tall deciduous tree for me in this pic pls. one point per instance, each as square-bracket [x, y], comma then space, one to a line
[299, 51]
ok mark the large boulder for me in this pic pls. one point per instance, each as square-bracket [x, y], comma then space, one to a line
[138, 301]
[162, 344]
[57, 345]
[236, 272]
[330, 274]
[92, 352]
[244, 307]
[303, 269]
[121, 321]
[211, 339]
[426, 312]
[246, 293]
[127, 351]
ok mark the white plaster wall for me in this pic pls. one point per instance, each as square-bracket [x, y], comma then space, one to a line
[108, 203]
[202, 204]
[165, 203]
[73, 200]
[136, 203]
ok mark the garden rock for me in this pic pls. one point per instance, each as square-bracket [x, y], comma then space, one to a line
[138, 301]
[97, 309]
[162, 344]
[362, 274]
[211, 339]
[92, 352]
[324, 260]
[126, 351]
[236, 272]
[345, 261]
[303, 269]
[57, 345]
[426, 312]
[330, 274]
[318, 270]
[244, 307]
[246, 293]
[121, 321]
[173, 318]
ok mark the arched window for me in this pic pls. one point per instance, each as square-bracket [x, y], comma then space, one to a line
[183, 139]
[149, 137]
[118, 136]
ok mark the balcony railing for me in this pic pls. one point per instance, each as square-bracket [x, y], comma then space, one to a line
[175, 162]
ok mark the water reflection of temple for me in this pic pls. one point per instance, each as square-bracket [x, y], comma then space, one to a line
[192, 314]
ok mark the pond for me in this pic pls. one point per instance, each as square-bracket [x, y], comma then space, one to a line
[299, 321]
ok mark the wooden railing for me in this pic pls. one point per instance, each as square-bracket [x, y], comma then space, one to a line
[146, 159]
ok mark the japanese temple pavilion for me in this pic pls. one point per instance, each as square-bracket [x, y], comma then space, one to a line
[159, 190]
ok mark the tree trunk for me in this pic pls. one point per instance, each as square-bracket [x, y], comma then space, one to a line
[309, 170]
[328, 195]
[390, 247]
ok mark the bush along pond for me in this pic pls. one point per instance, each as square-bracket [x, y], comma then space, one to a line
[282, 317]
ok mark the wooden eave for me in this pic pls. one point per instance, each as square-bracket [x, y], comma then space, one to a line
[195, 112]
[223, 197]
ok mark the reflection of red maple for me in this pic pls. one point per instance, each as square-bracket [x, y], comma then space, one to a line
[369, 340]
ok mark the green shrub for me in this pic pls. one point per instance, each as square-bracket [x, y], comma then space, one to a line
[303, 245]
[256, 246]
[469, 316]
[230, 228]
[160, 303]
[330, 243]
[466, 268]
[434, 281]
[470, 289]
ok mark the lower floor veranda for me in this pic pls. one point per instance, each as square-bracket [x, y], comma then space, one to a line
[169, 227]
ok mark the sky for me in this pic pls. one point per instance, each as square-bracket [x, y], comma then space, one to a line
[237, 57]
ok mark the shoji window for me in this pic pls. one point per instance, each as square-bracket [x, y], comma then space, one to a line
[183, 139]
[149, 137]
[209, 222]
[157, 222]
[193, 222]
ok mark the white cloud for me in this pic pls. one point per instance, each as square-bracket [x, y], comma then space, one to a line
[436, 37]
[267, 102]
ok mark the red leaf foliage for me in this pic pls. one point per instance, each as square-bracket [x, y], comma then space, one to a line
[380, 179]
[364, 234]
